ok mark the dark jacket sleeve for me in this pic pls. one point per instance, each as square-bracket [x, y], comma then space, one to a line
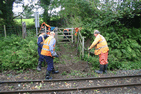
[46, 36]
[39, 41]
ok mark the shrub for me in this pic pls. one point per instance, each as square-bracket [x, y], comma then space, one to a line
[18, 53]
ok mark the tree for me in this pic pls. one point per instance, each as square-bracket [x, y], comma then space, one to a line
[45, 5]
[6, 12]
[6, 9]
[27, 11]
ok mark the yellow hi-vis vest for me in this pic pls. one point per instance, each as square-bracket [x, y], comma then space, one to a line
[41, 35]
[45, 49]
[100, 45]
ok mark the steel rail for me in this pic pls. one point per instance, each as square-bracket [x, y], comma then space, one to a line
[74, 79]
[70, 89]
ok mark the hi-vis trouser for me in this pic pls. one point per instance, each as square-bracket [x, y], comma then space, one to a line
[103, 58]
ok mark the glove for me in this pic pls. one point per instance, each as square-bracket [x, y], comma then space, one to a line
[54, 54]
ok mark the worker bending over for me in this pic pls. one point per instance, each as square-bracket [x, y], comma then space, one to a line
[49, 53]
[40, 42]
[101, 49]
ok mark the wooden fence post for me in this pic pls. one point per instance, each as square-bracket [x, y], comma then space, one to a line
[5, 31]
[24, 34]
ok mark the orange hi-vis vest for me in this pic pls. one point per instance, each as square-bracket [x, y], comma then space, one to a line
[100, 45]
[41, 35]
[66, 30]
[45, 49]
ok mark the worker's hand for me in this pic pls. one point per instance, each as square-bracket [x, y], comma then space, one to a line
[54, 54]
[89, 49]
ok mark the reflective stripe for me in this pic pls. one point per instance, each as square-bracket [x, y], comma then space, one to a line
[101, 47]
[103, 39]
[46, 44]
[45, 49]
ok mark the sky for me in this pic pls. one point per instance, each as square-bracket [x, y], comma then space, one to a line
[18, 7]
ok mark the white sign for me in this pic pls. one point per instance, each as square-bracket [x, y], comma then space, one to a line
[37, 19]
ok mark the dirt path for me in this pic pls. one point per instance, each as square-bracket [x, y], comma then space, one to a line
[69, 61]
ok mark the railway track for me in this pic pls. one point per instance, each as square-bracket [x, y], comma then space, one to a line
[59, 85]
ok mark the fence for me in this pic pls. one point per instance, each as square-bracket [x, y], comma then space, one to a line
[60, 36]
[17, 30]
[79, 39]
[9, 30]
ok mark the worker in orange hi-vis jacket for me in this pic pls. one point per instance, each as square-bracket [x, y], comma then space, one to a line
[66, 32]
[48, 51]
[101, 49]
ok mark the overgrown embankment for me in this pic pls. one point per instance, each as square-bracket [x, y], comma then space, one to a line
[124, 44]
[125, 51]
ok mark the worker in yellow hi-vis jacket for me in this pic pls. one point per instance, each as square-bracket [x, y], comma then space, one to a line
[101, 49]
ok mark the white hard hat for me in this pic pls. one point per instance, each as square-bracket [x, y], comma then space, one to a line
[52, 33]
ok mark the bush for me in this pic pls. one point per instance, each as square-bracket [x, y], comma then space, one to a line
[18, 53]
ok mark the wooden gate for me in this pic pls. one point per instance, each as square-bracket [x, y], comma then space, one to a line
[79, 39]
[61, 37]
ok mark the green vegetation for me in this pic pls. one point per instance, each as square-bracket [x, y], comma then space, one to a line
[64, 73]
[125, 52]
[27, 21]
[125, 48]
[18, 53]
[120, 26]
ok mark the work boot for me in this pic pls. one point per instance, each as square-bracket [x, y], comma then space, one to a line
[39, 66]
[47, 77]
[54, 72]
[105, 68]
[101, 69]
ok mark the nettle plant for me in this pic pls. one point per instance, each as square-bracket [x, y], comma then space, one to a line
[18, 53]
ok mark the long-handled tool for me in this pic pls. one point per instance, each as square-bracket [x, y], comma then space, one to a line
[88, 58]
[87, 61]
